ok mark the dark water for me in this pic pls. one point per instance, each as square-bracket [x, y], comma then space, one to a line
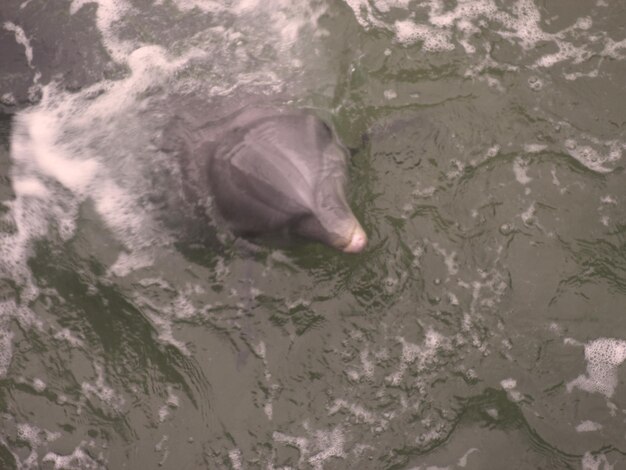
[482, 328]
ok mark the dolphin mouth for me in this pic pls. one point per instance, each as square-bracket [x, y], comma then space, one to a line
[357, 240]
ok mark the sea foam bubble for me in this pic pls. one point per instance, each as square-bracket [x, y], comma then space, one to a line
[603, 356]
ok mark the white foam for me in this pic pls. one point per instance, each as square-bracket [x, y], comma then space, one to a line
[171, 402]
[282, 21]
[352, 374]
[30, 433]
[449, 259]
[68, 139]
[603, 355]
[261, 351]
[520, 168]
[158, 282]
[463, 460]
[367, 364]
[433, 40]
[612, 48]
[108, 14]
[390, 94]
[51, 175]
[30, 213]
[320, 446]
[268, 409]
[595, 462]
[40, 148]
[6, 351]
[331, 444]
[20, 38]
[424, 354]
[166, 335]
[162, 447]
[508, 384]
[460, 23]
[130, 262]
[423, 192]
[387, 5]
[300, 443]
[363, 13]
[120, 211]
[66, 335]
[528, 216]
[591, 158]
[235, 459]
[102, 391]
[164, 412]
[30, 187]
[588, 426]
[77, 460]
[534, 148]
[208, 6]
[359, 412]
[39, 385]
[573, 342]
[8, 99]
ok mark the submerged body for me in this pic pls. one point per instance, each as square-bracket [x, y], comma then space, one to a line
[270, 170]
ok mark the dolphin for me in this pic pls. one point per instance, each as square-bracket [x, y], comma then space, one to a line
[272, 169]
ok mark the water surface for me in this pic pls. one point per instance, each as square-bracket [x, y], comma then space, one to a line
[481, 329]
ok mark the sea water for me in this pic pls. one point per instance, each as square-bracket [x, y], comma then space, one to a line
[481, 329]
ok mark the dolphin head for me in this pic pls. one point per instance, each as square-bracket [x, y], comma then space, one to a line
[285, 170]
[331, 220]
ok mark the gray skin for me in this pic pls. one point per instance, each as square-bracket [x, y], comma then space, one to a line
[272, 170]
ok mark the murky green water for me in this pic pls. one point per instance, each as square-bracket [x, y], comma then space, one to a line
[481, 329]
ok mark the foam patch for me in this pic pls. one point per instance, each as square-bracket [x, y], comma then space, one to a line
[604, 356]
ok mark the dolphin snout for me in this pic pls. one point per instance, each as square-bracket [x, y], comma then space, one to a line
[357, 240]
